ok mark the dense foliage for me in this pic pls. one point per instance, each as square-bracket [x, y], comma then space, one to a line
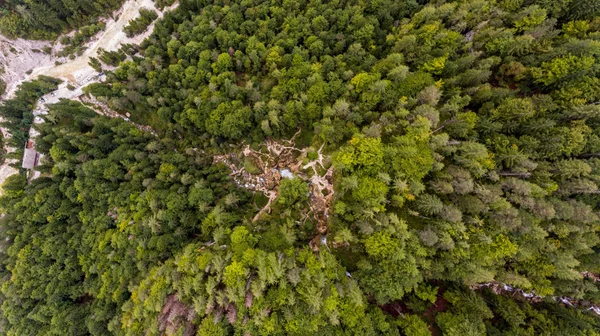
[129, 234]
[464, 137]
[74, 45]
[478, 131]
[45, 19]
[2, 84]
[140, 24]
[17, 113]
[113, 191]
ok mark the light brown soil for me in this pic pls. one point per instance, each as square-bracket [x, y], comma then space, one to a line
[76, 71]
[17, 57]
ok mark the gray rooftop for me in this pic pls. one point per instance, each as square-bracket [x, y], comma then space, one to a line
[30, 158]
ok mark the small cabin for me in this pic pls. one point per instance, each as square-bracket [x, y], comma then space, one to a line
[30, 157]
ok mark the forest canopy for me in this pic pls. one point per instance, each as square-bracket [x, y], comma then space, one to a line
[45, 19]
[339, 168]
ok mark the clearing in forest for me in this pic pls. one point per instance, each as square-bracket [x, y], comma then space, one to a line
[263, 170]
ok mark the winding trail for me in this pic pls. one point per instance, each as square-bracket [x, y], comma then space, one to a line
[22, 61]
[25, 56]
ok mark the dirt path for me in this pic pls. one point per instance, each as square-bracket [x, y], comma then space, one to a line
[18, 57]
[77, 71]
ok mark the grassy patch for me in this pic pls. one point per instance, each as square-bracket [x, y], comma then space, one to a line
[250, 166]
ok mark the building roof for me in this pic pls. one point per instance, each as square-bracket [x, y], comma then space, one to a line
[30, 158]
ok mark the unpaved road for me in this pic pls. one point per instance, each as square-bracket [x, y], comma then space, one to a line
[76, 71]
[17, 57]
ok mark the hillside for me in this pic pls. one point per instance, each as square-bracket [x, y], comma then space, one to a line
[307, 167]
